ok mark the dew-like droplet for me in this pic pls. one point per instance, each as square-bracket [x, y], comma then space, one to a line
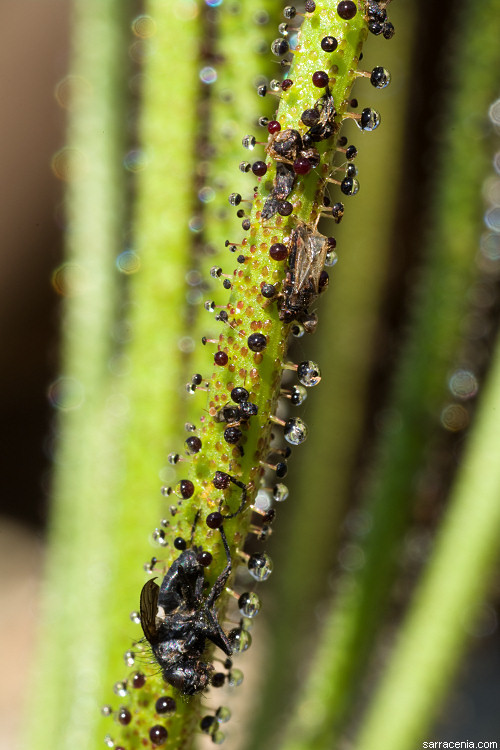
[249, 604]
[280, 492]
[308, 373]
[248, 141]
[298, 395]
[135, 617]
[331, 258]
[240, 640]
[280, 47]
[223, 714]
[235, 678]
[129, 658]
[158, 537]
[349, 186]
[120, 688]
[369, 120]
[260, 566]
[380, 77]
[295, 431]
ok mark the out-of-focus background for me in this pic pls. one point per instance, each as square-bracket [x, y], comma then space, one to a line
[33, 59]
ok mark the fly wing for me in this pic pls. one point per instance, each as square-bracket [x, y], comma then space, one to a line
[149, 609]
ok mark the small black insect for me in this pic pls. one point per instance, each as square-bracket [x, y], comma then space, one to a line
[302, 285]
[282, 187]
[325, 125]
[177, 619]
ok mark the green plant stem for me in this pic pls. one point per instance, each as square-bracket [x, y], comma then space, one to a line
[434, 636]
[419, 390]
[321, 472]
[232, 108]
[153, 383]
[72, 641]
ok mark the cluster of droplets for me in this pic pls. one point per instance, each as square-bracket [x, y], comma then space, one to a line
[293, 154]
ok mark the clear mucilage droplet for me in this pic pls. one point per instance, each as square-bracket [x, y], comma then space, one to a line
[260, 566]
[234, 199]
[129, 658]
[249, 604]
[298, 395]
[331, 258]
[120, 689]
[240, 640]
[159, 537]
[280, 492]
[235, 678]
[380, 77]
[248, 142]
[223, 714]
[308, 373]
[295, 431]
[369, 120]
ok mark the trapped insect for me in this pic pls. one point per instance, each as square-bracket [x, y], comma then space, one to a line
[305, 278]
[177, 619]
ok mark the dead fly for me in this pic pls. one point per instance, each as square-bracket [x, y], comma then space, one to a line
[305, 278]
[177, 619]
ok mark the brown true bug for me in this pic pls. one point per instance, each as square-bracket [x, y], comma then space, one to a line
[305, 278]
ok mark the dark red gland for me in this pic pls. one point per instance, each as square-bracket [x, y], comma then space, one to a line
[323, 281]
[239, 394]
[285, 208]
[214, 520]
[138, 680]
[347, 10]
[259, 168]
[273, 127]
[180, 543]
[278, 251]
[165, 705]
[320, 79]
[287, 84]
[124, 716]
[186, 488]
[232, 435]
[204, 558]
[329, 43]
[257, 342]
[221, 359]
[301, 166]
[221, 480]
[158, 735]
[310, 6]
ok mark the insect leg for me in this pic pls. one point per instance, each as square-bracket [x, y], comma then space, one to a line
[243, 487]
[194, 526]
[221, 581]
[213, 629]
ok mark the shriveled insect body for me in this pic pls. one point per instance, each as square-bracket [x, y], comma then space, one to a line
[282, 187]
[324, 127]
[177, 620]
[285, 145]
[303, 281]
